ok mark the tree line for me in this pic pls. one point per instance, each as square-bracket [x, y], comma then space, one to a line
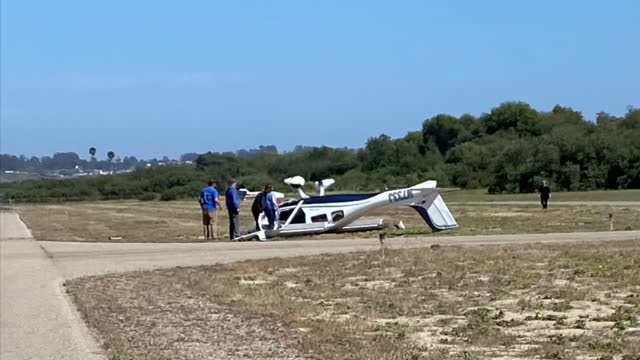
[510, 149]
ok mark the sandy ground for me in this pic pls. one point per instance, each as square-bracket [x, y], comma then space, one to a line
[39, 323]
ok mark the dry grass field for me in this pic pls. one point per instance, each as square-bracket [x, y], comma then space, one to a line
[598, 195]
[578, 301]
[179, 221]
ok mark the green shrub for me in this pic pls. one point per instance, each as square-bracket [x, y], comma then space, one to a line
[148, 196]
[168, 195]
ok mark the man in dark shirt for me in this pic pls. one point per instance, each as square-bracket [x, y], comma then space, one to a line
[256, 208]
[232, 198]
[545, 193]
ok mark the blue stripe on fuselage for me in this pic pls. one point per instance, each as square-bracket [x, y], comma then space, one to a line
[339, 198]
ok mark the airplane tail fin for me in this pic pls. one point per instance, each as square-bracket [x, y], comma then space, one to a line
[429, 184]
[436, 214]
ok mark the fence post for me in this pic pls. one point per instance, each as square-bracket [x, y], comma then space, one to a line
[611, 221]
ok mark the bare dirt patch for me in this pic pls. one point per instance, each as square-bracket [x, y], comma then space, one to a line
[578, 301]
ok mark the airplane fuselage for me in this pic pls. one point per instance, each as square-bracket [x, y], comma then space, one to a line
[338, 213]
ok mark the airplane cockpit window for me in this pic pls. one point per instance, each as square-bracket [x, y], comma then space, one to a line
[299, 218]
[319, 218]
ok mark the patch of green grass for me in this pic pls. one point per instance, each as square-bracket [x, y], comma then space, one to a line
[558, 339]
[469, 355]
[610, 346]
[120, 357]
[623, 318]
[479, 320]
[561, 306]
[412, 354]
[580, 324]
[510, 323]
[481, 329]
[545, 317]
[393, 330]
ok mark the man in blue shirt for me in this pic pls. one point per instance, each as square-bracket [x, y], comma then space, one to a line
[209, 203]
[232, 198]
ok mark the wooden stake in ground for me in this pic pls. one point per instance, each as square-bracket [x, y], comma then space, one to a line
[611, 221]
[382, 236]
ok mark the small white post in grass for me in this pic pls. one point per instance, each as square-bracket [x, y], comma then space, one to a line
[611, 221]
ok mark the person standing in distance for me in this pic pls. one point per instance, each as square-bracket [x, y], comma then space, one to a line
[270, 206]
[232, 199]
[545, 194]
[208, 201]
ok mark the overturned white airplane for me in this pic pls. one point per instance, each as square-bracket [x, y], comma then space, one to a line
[342, 213]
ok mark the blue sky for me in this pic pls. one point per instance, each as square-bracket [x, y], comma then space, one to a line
[155, 78]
